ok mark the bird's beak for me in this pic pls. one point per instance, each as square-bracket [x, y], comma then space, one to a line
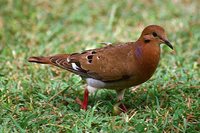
[168, 43]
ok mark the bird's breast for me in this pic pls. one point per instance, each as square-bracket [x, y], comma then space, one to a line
[147, 59]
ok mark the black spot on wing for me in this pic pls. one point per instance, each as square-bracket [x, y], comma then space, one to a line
[89, 57]
[94, 52]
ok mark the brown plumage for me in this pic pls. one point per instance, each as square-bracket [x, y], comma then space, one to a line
[118, 66]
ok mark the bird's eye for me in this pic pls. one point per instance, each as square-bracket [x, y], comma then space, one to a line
[154, 34]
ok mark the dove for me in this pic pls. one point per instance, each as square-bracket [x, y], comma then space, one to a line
[116, 66]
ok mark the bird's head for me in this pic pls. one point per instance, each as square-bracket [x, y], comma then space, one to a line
[156, 34]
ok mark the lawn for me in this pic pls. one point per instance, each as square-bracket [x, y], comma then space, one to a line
[40, 98]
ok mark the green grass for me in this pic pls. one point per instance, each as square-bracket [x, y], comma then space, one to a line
[39, 98]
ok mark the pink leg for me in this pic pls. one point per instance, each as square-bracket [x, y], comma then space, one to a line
[83, 103]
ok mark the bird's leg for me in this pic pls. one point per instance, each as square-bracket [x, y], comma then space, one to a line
[120, 96]
[85, 100]
[83, 103]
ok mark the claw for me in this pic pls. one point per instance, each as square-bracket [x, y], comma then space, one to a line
[119, 108]
[123, 108]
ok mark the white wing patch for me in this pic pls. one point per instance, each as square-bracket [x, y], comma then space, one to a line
[75, 67]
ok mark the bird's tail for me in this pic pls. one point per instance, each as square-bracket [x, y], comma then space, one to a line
[59, 60]
[54, 60]
[41, 60]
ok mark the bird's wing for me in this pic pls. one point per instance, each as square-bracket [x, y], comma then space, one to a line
[111, 63]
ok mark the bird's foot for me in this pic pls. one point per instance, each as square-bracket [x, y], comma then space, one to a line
[123, 108]
[83, 106]
[83, 103]
[118, 108]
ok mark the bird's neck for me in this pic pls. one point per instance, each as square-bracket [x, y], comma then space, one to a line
[147, 57]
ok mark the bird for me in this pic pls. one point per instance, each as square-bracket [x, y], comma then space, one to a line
[116, 66]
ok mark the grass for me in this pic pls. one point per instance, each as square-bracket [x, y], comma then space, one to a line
[39, 98]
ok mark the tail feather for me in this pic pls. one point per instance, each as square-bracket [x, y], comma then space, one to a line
[60, 60]
[41, 60]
